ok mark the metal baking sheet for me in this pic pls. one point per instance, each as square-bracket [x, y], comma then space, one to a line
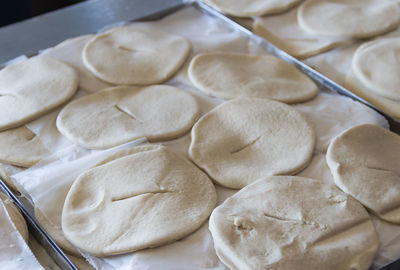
[92, 16]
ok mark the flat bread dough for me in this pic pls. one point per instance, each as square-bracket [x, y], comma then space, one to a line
[365, 163]
[286, 222]
[377, 65]
[21, 147]
[229, 75]
[121, 114]
[33, 87]
[247, 8]
[15, 216]
[350, 18]
[283, 31]
[70, 52]
[138, 201]
[244, 139]
[135, 55]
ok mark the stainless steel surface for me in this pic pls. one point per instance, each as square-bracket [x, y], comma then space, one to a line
[29, 36]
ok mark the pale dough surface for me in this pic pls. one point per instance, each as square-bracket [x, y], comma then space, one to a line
[33, 87]
[230, 75]
[247, 8]
[284, 32]
[70, 52]
[120, 114]
[135, 55]
[21, 147]
[365, 163]
[285, 222]
[245, 139]
[15, 216]
[377, 65]
[351, 18]
[138, 201]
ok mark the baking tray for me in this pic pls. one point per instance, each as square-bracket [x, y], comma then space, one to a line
[150, 10]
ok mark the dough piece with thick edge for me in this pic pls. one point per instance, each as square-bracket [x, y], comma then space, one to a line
[120, 114]
[247, 8]
[21, 147]
[376, 64]
[33, 87]
[229, 75]
[15, 216]
[365, 163]
[244, 139]
[135, 55]
[350, 18]
[286, 222]
[137, 201]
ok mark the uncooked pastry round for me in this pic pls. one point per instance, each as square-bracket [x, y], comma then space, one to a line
[135, 55]
[351, 18]
[245, 139]
[21, 147]
[247, 8]
[15, 216]
[229, 75]
[377, 65]
[286, 222]
[120, 114]
[365, 163]
[138, 201]
[33, 87]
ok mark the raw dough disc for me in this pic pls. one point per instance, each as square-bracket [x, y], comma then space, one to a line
[120, 114]
[245, 139]
[135, 55]
[33, 87]
[15, 216]
[377, 65]
[247, 8]
[137, 201]
[21, 147]
[365, 163]
[230, 75]
[351, 18]
[70, 52]
[285, 222]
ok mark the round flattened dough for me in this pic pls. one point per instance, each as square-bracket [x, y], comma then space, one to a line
[230, 75]
[245, 139]
[247, 8]
[15, 216]
[111, 210]
[352, 18]
[21, 147]
[120, 114]
[285, 222]
[365, 163]
[33, 87]
[377, 65]
[135, 55]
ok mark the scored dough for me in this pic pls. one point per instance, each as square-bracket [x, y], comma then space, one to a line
[21, 147]
[15, 216]
[33, 87]
[351, 18]
[70, 52]
[230, 75]
[120, 114]
[135, 55]
[244, 139]
[247, 8]
[377, 65]
[285, 222]
[365, 163]
[142, 200]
